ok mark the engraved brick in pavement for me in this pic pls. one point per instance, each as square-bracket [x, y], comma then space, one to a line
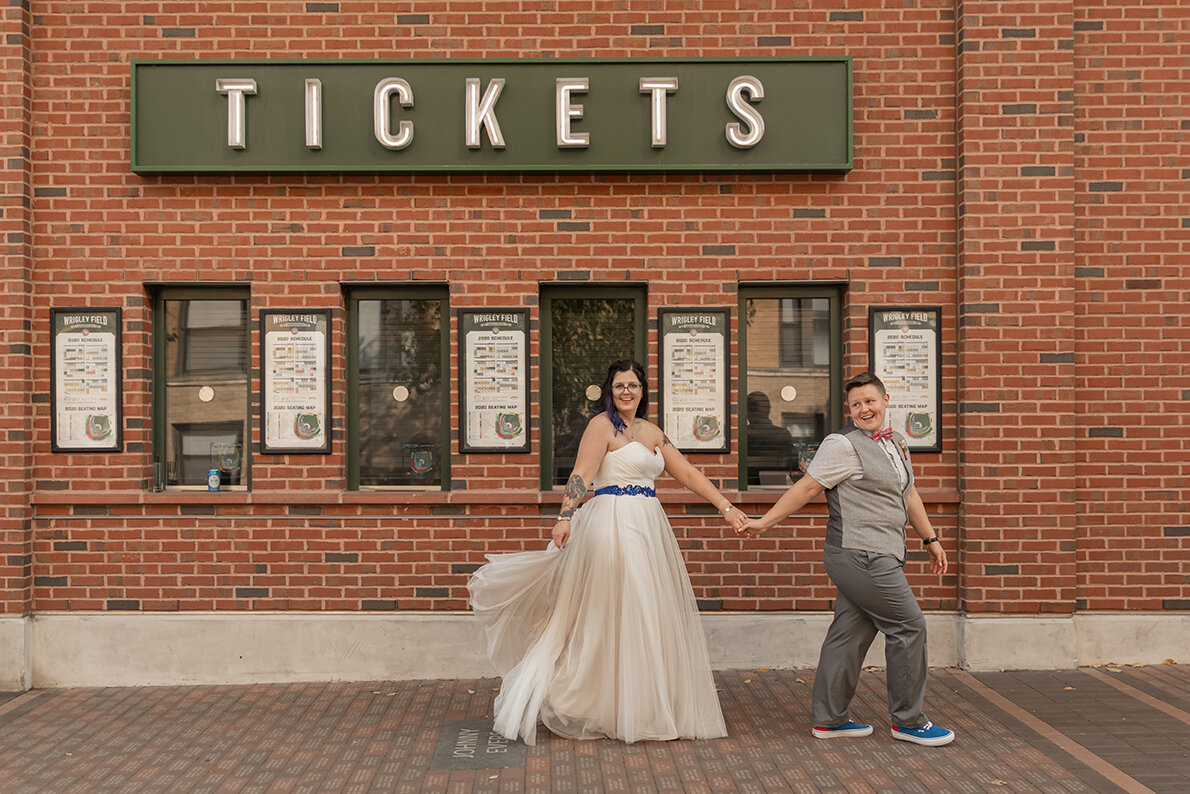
[1115, 729]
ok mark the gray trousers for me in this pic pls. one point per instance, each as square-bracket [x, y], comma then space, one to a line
[871, 595]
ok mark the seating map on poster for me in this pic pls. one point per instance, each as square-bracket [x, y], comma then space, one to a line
[905, 357]
[86, 379]
[294, 381]
[494, 401]
[694, 379]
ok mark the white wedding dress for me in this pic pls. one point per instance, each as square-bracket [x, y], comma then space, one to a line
[603, 638]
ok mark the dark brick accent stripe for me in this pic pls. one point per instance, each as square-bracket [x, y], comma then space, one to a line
[123, 605]
[378, 605]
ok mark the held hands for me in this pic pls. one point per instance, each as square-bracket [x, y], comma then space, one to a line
[735, 518]
[752, 528]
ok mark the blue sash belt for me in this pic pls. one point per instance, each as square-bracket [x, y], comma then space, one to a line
[626, 490]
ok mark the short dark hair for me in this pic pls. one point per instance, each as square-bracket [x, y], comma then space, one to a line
[609, 403]
[864, 379]
[758, 405]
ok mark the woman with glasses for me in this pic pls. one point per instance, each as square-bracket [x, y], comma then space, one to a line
[598, 635]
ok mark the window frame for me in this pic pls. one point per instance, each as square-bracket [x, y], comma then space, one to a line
[548, 293]
[834, 293]
[160, 295]
[353, 295]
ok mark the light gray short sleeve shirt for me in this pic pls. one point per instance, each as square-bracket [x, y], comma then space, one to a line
[836, 460]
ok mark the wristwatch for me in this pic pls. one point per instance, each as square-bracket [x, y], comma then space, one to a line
[928, 541]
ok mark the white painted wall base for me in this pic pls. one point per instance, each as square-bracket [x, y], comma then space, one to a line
[1022, 643]
[15, 654]
[135, 649]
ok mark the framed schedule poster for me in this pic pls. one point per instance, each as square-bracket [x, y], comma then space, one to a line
[905, 352]
[493, 380]
[693, 389]
[295, 413]
[85, 380]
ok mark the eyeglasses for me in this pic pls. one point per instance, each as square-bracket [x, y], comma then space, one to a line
[631, 388]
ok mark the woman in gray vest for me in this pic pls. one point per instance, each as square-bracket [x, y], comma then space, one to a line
[868, 479]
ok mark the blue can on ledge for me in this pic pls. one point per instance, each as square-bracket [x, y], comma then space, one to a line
[213, 480]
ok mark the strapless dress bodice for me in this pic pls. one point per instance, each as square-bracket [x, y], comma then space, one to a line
[632, 464]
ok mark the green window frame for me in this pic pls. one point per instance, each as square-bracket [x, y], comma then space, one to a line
[638, 294]
[185, 371]
[440, 447]
[780, 410]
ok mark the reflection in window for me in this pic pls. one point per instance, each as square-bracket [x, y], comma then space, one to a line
[206, 364]
[805, 332]
[211, 337]
[589, 334]
[203, 448]
[788, 376]
[401, 438]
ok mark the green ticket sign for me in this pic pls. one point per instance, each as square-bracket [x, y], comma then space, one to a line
[742, 114]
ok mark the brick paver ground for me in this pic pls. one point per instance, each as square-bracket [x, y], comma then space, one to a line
[1087, 730]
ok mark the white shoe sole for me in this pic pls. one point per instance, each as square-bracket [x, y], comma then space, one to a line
[841, 734]
[938, 742]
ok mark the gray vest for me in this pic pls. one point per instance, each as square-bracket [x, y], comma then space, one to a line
[869, 513]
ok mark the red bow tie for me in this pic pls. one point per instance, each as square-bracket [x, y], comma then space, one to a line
[882, 434]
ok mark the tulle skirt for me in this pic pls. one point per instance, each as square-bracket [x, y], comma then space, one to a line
[603, 638]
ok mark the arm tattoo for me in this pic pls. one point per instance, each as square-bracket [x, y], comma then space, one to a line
[576, 489]
[665, 442]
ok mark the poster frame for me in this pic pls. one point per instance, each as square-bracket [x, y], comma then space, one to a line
[118, 324]
[266, 448]
[877, 321]
[465, 446]
[663, 379]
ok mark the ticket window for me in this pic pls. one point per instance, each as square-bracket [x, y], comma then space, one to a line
[201, 382]
[583, 332]
[790, 380]
[397, 420]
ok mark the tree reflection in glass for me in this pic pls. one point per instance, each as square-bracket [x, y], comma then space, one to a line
[400, 392]
[588, 336]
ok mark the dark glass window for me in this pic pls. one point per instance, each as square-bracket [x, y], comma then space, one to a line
[587, 330]
[201, 391]
[789, 379]
[398, 429]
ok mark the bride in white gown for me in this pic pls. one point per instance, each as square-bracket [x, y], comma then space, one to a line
[598, 635]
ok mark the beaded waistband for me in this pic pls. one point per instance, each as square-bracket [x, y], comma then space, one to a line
[626, 490]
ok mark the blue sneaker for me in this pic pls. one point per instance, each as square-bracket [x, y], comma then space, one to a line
[847, 729]
[929, 734]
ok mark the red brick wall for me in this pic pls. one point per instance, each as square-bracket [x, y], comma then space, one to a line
[1016, 306]
[888, 227]
[16, 320]
[1132, 304]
